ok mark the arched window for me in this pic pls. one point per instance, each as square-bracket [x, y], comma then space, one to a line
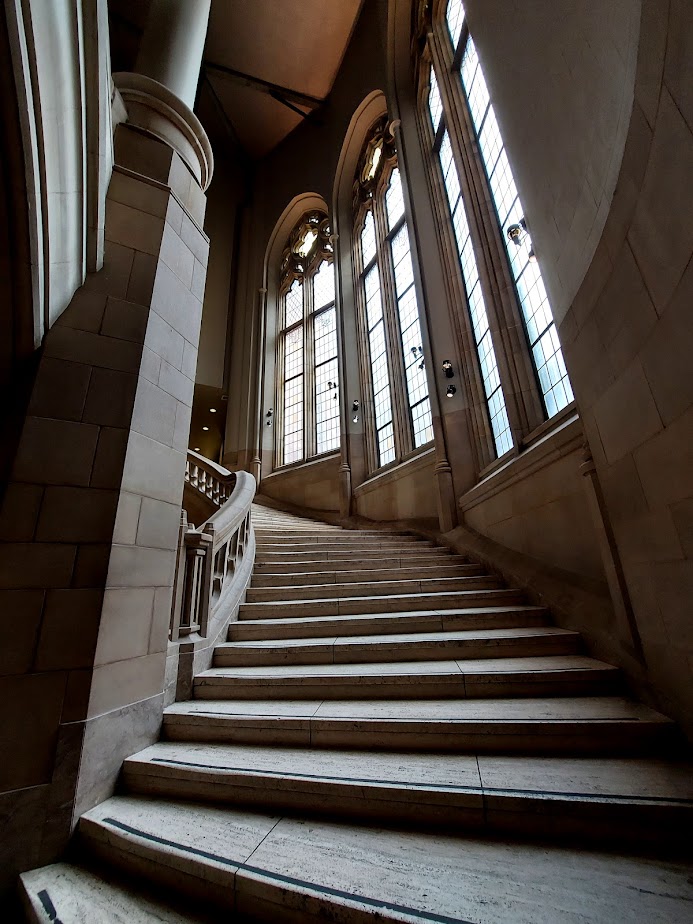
[399, 410]
[307, 379]
[468, 152]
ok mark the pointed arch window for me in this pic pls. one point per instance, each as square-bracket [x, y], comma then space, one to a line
[308, 422]
[393, 365]
[473, 167]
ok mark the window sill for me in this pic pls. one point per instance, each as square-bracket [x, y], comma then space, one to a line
[397, 470]
[304, 463]
[546, 444]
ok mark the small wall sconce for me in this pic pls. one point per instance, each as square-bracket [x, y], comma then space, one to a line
[268, 415]
[355, 407]
[450, 391]
[447, 369]
[519, 235]
[419, 353]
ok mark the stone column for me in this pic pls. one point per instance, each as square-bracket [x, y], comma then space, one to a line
[90, 519]
[172, 45]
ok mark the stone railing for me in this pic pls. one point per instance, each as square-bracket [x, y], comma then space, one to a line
[213, 567]
[209, 479]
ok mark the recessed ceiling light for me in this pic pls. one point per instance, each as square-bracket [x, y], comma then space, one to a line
[196, 449]
[205, 428]
[212, 410]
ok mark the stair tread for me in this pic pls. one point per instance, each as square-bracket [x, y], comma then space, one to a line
[539, 710]
[578, 777]
[80, 895]
[538, 664]
[318, 865]
[442, 596]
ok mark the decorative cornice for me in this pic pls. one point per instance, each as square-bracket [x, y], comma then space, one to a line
[153, 108]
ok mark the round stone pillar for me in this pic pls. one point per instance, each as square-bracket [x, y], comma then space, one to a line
[172, 45]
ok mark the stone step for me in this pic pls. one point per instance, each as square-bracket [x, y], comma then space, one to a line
[370, 588]
[297, 870]
[418, 646]
[392, 603]
[485, 677]
[352, 555]
[386, 573]
[647, 800]
[281, 534]
[300, 565]
[583, 725]
[342, 544]
[498, 617]
[70, 894]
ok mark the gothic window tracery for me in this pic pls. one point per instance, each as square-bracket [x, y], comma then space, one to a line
[307, 381]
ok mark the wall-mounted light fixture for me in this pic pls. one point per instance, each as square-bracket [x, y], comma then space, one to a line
[519, 235]
[419, 354]
[355, 407]
[447, 369]
[450, 391]
[268, 415]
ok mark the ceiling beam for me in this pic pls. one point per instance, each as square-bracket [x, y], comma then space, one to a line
[281, 94]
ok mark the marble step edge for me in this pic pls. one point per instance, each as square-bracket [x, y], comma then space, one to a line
[369, 588]
[378, 604]
[460, 807]
[266, 579]
[350, 565]
[390, 648]
[499, 617]
[229, 883]
[237, 684]
[461, 736]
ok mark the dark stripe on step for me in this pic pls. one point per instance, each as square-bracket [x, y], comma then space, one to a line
[485, 789]
[290, 880]
[48, 906]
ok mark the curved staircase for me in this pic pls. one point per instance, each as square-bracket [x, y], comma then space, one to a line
[391, 734]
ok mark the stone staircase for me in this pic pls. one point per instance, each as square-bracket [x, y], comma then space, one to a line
[390, 734]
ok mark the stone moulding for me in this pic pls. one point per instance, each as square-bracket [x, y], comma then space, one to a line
[153, 108]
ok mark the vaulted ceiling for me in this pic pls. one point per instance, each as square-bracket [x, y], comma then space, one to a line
[267, 64]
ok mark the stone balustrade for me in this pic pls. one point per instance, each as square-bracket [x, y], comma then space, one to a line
[210, 556]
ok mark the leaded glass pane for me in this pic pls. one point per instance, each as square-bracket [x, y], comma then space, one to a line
[368, 239]
[394, 199]
[293, 304]
[455, 20]
[536, 310]
[323, 286]
[293, 395]
[435, 103]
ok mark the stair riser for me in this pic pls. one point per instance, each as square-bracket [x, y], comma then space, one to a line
[342, 538]
[395, 573]
[455, 738]
[310, 535]
[345, 654]
[444, 809]
[278, 568]
[351, 607]
[574, 683]
[427, 622]
[368, 589]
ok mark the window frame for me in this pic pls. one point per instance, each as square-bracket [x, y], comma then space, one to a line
[304, 270]
[433, 50]
[370, 197]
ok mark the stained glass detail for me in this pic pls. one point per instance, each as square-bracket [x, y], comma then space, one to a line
[493, 391]
[536, 310]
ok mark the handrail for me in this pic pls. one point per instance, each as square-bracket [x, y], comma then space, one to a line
[208, 566]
